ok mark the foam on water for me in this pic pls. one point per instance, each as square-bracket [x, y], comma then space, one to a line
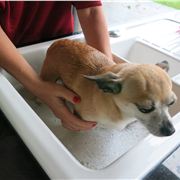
[96, 148]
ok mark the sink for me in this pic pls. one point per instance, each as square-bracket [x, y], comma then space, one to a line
[101, 153]
[136, 50]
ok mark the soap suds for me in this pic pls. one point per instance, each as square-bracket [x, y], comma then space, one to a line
[95, 149]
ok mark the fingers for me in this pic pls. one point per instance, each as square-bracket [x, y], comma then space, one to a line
[70, 121]
[53, 94]
[67, 94]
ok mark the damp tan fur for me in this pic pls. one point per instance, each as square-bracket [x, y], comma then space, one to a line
[111, 93]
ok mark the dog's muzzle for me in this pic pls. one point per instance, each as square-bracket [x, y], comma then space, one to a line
[167, 128]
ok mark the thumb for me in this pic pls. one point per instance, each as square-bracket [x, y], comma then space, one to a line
[69, 95]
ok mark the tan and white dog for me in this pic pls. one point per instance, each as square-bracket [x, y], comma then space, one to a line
[112, 93]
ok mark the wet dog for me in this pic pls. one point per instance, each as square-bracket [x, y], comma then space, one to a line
[112, 93]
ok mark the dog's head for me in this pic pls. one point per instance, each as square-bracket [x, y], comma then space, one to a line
[141, 91]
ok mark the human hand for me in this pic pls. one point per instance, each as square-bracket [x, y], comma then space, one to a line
[54, 95]
[117, 59]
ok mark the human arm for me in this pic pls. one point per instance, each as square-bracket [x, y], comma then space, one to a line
[94, 27]
[50, 93]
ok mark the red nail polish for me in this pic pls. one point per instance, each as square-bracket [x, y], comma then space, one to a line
[94, 124]
[76, 99]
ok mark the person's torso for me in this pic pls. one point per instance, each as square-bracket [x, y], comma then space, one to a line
[32, 22]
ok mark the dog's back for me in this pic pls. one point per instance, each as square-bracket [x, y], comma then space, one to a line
[69, 60]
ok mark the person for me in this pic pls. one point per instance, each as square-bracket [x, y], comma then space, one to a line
[23, 23]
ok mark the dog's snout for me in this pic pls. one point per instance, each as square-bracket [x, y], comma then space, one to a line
[167, 129]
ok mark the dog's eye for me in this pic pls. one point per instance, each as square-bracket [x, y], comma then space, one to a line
[145, 109]
[171, 103]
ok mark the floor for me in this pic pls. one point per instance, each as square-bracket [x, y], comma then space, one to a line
[17, 163]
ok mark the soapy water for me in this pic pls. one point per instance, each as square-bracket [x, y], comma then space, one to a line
[96, 148]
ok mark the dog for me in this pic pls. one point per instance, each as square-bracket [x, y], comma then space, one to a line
[112, 93]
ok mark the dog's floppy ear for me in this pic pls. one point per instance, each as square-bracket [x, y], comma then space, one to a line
[108, 82]
[164, 65]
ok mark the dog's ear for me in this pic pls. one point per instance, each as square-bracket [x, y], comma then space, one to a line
[164, 65]
[108, 82]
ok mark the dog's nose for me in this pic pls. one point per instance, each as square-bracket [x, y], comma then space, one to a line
[167, 129]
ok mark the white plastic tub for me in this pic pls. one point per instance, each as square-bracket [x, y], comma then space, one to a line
[100, 153]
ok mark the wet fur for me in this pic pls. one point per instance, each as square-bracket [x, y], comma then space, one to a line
[69, 60]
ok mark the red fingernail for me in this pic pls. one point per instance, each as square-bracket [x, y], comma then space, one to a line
[76, 99]
[94, 125]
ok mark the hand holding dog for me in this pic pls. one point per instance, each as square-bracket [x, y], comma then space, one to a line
[96, 34]
[50, 93]
[54, 95]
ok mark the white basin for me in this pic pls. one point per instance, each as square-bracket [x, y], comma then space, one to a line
[100, 153]
[137, 50]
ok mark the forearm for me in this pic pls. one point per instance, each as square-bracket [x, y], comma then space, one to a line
[15, 64]
[94, 27]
